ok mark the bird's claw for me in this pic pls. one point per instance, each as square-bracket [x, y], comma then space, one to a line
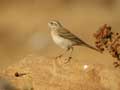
[70, 58]
[116, 64]
[67, 60]
[58, 56]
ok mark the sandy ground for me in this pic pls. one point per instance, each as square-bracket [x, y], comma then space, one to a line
[49, 74]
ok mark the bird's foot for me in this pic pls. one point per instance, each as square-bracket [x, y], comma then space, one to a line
[67, 60]
[58, 56]
[116, 64]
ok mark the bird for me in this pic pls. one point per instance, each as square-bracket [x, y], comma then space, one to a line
[65, 38]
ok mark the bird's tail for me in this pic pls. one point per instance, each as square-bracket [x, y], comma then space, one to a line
[89, 46]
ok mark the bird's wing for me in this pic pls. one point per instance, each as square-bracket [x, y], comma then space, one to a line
[77, 41]
[68, 35]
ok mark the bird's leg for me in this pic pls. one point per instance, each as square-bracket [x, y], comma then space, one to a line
[61, 55]
[69, 58]
[71, 52]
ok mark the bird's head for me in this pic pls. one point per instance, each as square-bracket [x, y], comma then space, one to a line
[54, 25]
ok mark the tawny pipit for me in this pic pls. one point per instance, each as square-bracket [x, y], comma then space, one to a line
[64, 38]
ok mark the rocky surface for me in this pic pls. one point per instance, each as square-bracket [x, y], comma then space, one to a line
[45, 73]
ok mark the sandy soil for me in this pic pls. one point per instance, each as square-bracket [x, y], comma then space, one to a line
[49, 74]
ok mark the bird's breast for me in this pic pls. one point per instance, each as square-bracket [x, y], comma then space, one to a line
[60, 41]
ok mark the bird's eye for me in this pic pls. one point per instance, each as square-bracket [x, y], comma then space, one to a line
[52, 23]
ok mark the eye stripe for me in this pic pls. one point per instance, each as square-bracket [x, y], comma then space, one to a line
[53, 23]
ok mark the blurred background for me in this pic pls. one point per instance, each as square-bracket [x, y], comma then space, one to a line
[24, 30]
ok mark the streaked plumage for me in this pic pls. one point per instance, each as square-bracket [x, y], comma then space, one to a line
[64, 33]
